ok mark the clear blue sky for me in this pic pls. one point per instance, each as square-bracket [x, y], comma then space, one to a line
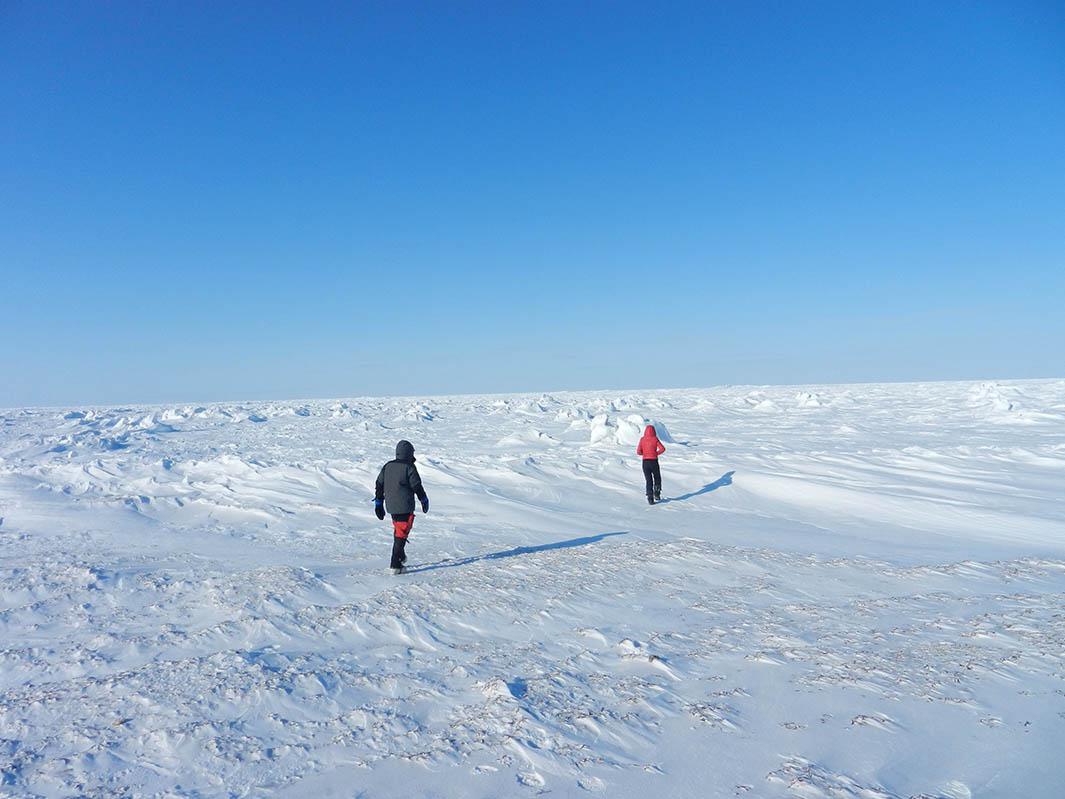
[220, 201]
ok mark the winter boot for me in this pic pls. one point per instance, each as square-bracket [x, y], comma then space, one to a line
[650, 500]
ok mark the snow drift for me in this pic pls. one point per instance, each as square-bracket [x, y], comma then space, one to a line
[624, 430]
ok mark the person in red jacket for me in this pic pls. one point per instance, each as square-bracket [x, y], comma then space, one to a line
[649, 449]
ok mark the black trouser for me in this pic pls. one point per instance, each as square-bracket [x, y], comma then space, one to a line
[399, 542]
[653, 475]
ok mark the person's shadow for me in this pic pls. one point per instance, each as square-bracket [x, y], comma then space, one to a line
[449, 563]
[723, 480]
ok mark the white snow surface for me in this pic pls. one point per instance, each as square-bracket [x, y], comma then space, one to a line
[850, 591]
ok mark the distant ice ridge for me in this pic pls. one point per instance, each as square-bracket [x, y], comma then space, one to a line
[996, 398]
[1008, 404]
[99, 430]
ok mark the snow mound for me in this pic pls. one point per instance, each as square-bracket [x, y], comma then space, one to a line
[662, 431]
[418, 413]
[532, 407]
[340, 410]
[602, 430]
[495, 689]
[602, 405]
[579, 424]
[807, 399]
[186, 412]
[760, 402]
[627, 430]
[572, 414]
[996, 398]
[525, 438]
[630, 429]
[281, 411]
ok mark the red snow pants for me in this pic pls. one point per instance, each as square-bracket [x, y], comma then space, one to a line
[401, 528]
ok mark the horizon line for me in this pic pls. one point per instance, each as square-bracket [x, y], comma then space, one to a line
[354, 397]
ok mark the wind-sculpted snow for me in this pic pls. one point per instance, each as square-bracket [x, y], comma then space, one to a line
[848, 591]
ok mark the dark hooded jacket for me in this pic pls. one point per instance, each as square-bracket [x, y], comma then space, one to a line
[399, 482]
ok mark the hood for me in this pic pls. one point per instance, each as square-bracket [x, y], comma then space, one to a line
[405, 451]
[650, 432]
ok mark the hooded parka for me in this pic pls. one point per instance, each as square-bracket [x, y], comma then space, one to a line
[399, 482]
[650, 447]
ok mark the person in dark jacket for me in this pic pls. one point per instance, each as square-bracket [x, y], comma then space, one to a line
[649, 449]
[397, 486]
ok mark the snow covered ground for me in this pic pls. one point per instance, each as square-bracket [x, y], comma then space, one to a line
[852, 591]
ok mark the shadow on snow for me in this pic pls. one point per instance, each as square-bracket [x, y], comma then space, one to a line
[723, 480]
[511, 553]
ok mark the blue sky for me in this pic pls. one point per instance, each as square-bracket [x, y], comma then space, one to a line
[226, 201]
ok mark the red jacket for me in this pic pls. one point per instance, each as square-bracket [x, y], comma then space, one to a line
[650, 447]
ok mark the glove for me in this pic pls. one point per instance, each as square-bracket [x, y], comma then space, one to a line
[379, 508]
[425, 505]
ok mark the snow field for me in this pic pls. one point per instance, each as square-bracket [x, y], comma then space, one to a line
[850, 591]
